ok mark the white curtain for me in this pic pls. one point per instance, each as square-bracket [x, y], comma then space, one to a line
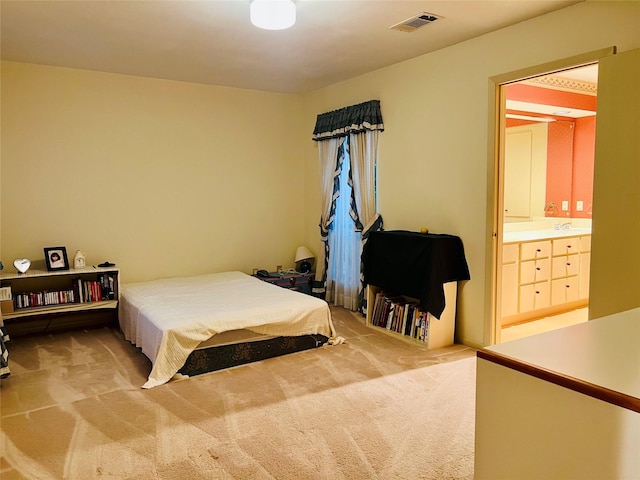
[330, 155]
[343, 273]
[363, 148]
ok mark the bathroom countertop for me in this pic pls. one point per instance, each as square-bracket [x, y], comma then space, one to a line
[546, 234]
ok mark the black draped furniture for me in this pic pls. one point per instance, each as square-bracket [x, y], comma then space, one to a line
[416, 265]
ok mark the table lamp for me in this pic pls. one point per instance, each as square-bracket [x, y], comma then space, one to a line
[303, 255]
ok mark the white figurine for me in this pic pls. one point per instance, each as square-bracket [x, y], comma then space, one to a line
[79, 260]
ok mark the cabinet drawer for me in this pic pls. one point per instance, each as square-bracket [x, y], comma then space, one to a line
[585, 243]
[534, 271]
[510, 253]
[564, 290]
[565, 246]
[565, 266]
[534, 296]
[531, 250]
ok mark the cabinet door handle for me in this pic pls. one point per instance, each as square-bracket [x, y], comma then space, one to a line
[538, 268]
[568, 264]
[537, 292]
[538, 250]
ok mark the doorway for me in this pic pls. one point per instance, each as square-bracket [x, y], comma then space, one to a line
[545, 198]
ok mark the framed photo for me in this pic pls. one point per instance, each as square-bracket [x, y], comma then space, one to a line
[56, 258]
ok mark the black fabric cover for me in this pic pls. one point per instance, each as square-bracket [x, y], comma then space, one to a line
[415, 264]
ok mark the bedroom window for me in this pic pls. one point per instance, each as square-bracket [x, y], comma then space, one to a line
[348, 151]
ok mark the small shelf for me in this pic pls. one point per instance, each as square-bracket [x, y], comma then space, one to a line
[64, 308]
[440, 332]
[91, 294]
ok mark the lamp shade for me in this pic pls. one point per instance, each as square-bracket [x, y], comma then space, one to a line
[273, 14]
[303, 253]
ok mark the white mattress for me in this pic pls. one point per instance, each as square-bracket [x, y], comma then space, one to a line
[169, 318]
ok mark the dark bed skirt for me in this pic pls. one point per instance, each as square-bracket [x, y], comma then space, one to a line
[210, 359]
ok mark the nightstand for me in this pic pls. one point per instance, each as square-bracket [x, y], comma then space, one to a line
[300, 282]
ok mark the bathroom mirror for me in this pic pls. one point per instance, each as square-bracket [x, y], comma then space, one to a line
[549, 146]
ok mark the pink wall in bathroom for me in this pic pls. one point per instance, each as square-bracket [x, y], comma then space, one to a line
[584, 142]
[571, 146]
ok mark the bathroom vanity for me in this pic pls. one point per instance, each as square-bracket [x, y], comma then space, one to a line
[544, 272]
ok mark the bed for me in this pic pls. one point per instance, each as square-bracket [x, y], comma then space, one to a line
[173, 320]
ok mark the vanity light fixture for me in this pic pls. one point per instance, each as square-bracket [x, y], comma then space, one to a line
[529, 117]
[273, 14]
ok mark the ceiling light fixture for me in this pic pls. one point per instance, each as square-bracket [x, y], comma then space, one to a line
[273, 14]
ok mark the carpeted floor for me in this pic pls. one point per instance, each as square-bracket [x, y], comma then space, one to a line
[373, 408]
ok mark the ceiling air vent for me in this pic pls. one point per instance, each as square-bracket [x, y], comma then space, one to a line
[415, 22]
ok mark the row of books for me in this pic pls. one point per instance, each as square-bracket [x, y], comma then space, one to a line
[96, 290]
[41, 299]
[396, 313]
[83, 291]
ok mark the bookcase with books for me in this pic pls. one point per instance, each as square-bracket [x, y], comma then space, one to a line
[38, 298]
[404, 270]
[402, 317]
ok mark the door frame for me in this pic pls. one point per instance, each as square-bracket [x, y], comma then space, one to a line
[495, 176]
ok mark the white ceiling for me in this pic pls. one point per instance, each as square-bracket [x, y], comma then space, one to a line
[213, 42]
[587, 74]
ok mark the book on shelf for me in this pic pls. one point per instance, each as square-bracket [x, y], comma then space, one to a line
[82, 291]
[44, 298]
[107, 286]
[398, 314]
[103, 288]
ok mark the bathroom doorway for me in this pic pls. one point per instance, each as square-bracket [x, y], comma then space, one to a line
[545, 189]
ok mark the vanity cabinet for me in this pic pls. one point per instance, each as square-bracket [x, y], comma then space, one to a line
[510, 282]
[544, 277]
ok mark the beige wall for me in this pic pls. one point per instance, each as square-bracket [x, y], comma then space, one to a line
[433, 165]
[157, 175]
[161, 177]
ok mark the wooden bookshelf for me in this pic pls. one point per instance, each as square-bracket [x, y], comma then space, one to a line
[440, 333]
[37, 294]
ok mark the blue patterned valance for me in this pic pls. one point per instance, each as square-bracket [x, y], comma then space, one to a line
[353, 119]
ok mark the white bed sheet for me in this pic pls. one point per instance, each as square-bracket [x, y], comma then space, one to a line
[169, 318]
